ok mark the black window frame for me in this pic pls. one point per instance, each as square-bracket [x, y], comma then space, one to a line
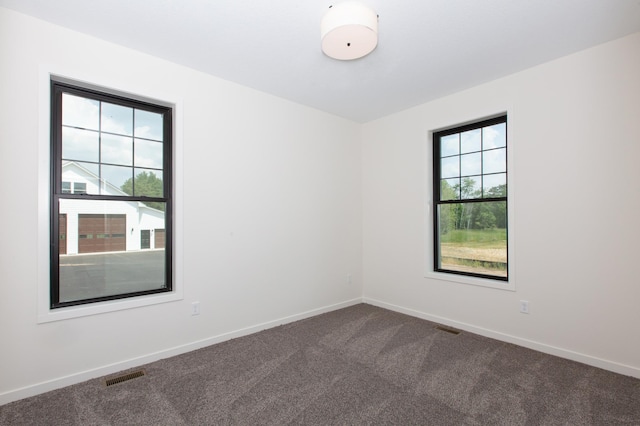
[436, 146]
[57, 88]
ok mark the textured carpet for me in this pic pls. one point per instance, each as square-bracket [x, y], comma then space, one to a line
[359, 365]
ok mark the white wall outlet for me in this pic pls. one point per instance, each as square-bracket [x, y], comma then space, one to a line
[195, 308]
[349, 279]
[524, 306]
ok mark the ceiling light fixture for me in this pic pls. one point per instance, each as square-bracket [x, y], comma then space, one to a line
[349, 31]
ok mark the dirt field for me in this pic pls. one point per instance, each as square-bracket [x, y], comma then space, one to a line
[484, 254]
[468, 253]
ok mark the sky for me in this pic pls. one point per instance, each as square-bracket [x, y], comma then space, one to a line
[128, 140]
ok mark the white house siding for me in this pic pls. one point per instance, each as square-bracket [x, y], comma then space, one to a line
[137, 219]
[138, 216]
[73, 173]
[149, 219]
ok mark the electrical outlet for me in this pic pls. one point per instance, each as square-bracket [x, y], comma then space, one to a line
[195, 308]
[524, 306]
[349, 280]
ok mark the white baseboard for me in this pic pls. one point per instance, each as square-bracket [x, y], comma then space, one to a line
[615, 367]
[72, 379]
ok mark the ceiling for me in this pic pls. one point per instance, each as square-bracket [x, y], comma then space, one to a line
[427, 48]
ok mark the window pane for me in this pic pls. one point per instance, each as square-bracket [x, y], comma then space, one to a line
[117, 119]
[473, 238]
[148, 183]
[495, 185]
[471, 164]
[470, 141]
[471, 231]
[494, 161]
[114, 179]
[450, 167]
[79, 188]
[148, 154]
[80, 145]
[88, 171]
[449, 145]
[148, 125]
[80, 112]
[449, 189]
[494, 136]
[116, 150]
[108, 249]
[470, 187]
[81, 174]
[103, 257]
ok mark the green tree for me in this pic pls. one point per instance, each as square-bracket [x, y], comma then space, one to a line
[499, 209]
[145, 184]
[467, 210]
[448, 212]
[485, 219]
[497, 191]
[467, 189]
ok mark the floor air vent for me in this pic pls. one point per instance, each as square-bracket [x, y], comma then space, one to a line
[448, 329]
[124, 378]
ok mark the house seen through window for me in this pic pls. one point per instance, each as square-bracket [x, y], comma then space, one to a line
[470, 199]
[111, 197]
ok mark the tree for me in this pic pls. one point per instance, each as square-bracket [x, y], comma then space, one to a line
[467, 191]
[485, 219]
[499, 208]
[448, 212]
[497, 191]
[145, 184]
[487, 215]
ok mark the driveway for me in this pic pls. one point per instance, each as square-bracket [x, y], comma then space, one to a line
[85, 276]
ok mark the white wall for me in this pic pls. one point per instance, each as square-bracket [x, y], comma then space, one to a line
[270, 216]
[279, 203]
[574, 127]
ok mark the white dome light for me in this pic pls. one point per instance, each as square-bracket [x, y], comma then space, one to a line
[349, 31]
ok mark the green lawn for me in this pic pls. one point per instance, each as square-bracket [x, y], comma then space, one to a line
[476, 238]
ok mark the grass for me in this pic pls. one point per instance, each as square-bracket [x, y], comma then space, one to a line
[476, 238]
[475, 250]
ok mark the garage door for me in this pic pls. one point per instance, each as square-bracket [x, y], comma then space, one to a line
[100, 233]
[158, 238]
[62, 233]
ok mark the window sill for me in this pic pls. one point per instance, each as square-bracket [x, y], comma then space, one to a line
[46, 314]
[463, 279]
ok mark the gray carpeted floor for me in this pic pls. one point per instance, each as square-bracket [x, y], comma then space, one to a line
[359, 365]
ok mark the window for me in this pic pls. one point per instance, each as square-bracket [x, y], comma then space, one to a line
[111, 168]
[470, 200]
[79, 188]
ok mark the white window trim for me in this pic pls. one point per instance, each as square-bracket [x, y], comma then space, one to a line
[429, 211]
[44, 312]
